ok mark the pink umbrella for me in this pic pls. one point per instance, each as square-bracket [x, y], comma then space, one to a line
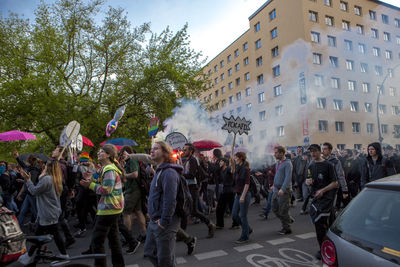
[204, 145]
[15, 136]
[87, 142]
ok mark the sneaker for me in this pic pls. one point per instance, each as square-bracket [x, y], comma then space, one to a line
[263, 216]
[63, 256]
[191, 246]
[242, 241]
[211, 230]
[285, 231]
[132, 248]
[80, 233]
[69, 242]
[25, 259]
[303, 212]
[234, 227]
[141, 238]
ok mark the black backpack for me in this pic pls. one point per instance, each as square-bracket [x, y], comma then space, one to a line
[184, 199]
[255, 185]
[143, 181]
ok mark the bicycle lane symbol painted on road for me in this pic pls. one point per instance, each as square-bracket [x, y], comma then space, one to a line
[290, 257]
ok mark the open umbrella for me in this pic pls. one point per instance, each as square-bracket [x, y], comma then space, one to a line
[120, 142]
[87, 142]
[40, 156]
[204, 145]
[15, 136]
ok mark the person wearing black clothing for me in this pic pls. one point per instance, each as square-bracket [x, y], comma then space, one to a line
[377, 166]
[352, 167]
[190, 172]
[227, 196]
[323, 181]
[299, 165]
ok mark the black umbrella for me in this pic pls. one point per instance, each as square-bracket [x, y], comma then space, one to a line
[40, 156]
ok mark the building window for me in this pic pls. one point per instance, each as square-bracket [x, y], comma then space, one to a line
[384, 128]
[339, 125]
[230, 72]
[364, 67]
[274, 33]
[250, 139]
[345, 25]
[248, 106]
[257, 27]
[280, 131]
[223, 90]
[279, 110]
[222, 63]
[370, 128]
[349, 64]
[313, 16]
[258, 43]
[237, 81]
[260, 79]
[386, 36]
[382, 109]
[376, 51]
[337, 104]
[396, 110]
[361, 48]
[237, 67]
[216, 80]
[259, 61]
[372, 15]
[335, 83]
[360, 29]
[397, 23]
[263, 134]
[247, 76]
[321, 103]
[329, 20]
[323, 126]
[385, 19]
[261, 97]
[222, 76]
[231, 112]
[230, 99]
[216, 93]
[245, 46]
[275, 51]
[388, 54]
[378, 70]
[368, 107]
[248, 91]
[351, 85]
[331, 41]
[374, 33]
[278, 90]
[238, 111]
[318, 80]
[354, 106]
[358, 10]
[246, 61]
[398, 40]
[348, 45]
[230, 85]
[236, 52]
[315, 37]
[215, 68]
[210, 97]
[276, 71]
[272, 15]
[392, 91]
[334, 62]
[355, 127]
[238, 96]
[262, 115]
[229, 58]
[223, 103]
[390, 72]
[343, 6]
[327, 2]
[317, 58]
[380, 90]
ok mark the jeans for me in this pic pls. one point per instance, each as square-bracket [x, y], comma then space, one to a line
[268, 205]
[239, 214]
[106, 226]
[160, 243]
[280, 206]
[29, 204]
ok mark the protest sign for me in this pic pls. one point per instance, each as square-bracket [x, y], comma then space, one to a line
[176, 140]
[236, 126]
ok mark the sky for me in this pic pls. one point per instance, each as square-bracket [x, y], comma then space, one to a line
[213, 24]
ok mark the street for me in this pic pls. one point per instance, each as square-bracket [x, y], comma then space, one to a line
[267, 247]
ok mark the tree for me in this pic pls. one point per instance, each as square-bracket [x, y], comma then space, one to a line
[65, 67]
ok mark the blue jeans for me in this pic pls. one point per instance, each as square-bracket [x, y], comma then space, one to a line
[268, 206]
[239, 214]
[29, 204]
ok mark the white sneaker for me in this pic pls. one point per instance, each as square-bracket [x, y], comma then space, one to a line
[25, 259]
[63, 256]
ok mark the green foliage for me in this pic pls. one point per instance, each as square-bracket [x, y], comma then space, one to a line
[66, 67]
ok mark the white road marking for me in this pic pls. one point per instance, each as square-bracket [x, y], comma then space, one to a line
[280, 241]
[307, 235]
[248, 247]
[211, 254]
[180, 260]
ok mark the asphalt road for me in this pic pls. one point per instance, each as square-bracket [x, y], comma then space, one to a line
[267, 247]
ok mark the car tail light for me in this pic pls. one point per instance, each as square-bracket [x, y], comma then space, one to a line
[328, 253]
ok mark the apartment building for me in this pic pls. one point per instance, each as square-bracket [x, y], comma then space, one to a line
[310, 71]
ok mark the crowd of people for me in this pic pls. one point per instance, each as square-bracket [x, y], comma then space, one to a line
[122, 189]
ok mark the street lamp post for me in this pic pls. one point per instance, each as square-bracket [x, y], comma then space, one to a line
[380, 138]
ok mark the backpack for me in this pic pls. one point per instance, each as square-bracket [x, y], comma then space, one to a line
[202, 174]
[255, 185]
[184, 201]
[143, 181]
[12, 239]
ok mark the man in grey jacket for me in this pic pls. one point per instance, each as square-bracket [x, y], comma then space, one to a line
[282, 190]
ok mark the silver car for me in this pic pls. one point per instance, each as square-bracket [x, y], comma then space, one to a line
[367, 232]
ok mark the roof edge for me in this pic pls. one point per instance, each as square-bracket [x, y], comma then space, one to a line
[259, 9]
[385, 4]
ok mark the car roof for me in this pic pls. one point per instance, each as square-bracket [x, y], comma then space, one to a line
[389, 183]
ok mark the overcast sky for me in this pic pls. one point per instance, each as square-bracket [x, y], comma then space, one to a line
[213, 24]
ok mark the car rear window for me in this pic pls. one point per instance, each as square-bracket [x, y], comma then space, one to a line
[372, 221]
